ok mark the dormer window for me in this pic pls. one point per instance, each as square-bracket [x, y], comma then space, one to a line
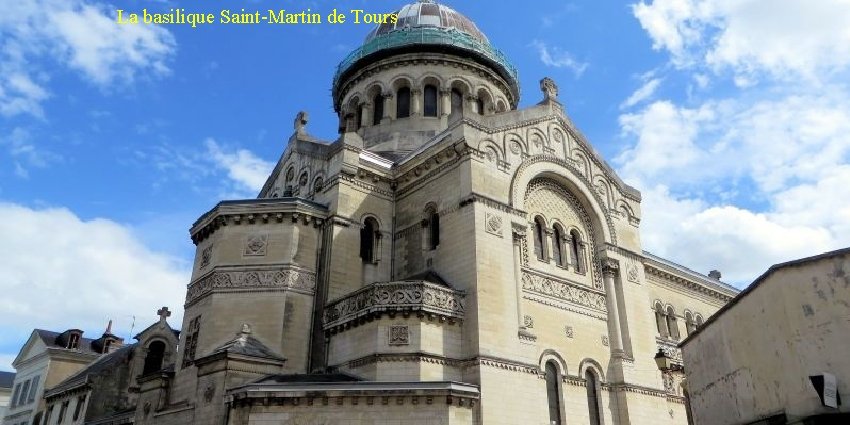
[74, 340]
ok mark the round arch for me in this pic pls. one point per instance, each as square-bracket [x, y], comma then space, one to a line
[565, 174]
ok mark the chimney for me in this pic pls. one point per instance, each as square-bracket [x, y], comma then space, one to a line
[714, 274]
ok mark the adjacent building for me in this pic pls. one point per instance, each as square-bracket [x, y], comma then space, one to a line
[7, 381]
[46, 359]
[779, 353]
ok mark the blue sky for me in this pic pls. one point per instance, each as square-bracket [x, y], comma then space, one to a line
[731, 116]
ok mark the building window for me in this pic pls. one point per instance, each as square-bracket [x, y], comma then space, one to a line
[660, 320]
[359, 117]
[539, 238]
[62, 410]
[378, 102]
[690, 325]
[592, 397]
[15, 394]
[25, 389]
[47, 416]
[553, 396]
[699, 321]
[318, 184]
[431, 224]
[33, 388]
[80, 401]
[672, 327]
[73, 340]
[558, 245]
[191, 341]
[402, 108]
[480, 104]
[457, 103]
[430, 109]
[369, 239]
[154, 357]
[576, 251]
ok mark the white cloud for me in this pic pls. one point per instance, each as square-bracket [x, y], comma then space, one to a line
[248, 171]
[78, 34]
[791, 154]
[646, 91]
[557, 58]
[60, 272]
[782, 38]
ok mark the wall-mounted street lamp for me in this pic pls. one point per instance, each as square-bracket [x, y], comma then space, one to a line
[665, 363]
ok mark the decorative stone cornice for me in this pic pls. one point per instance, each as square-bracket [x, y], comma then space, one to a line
[256, 211]
[492, 203]
[394, 297]
[287, 278]
[660, 275]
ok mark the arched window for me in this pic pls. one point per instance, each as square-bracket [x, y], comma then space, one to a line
[369, 238]
[378, 102]
[431, 223]
[576, 251]
[539, 238]
[480, 105]
[699, 321]
[359, 117]
[558, 245]
[402, 106]
[457, 104]
[154, 357]
[553, 396]
[660, 320]
[690, 325]
[592, 397]
[672, 327]
[430, 109]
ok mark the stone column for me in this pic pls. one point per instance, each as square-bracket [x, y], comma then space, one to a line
[471, 104]
[445, 102]
[389, 108]
[415, 102]
[548, 245]
[610, 269]
[366, 116]
[518, 236]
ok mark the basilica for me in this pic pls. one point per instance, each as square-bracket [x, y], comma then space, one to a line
[449, 259]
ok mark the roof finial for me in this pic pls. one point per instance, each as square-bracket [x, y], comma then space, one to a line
[549, 89]
[244, 333]
[301, 122]
[108, 328]
[163, 313]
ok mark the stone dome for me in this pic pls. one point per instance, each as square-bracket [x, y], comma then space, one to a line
[426, 13]
[427, 27]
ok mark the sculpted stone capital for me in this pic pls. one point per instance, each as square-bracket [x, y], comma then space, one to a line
[610, 267]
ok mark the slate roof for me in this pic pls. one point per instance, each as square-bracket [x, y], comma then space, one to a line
[715, 283]
[430, 277]
[248, 346]
[50, 340]
[109, 361]
[7, 379]
[307, 378]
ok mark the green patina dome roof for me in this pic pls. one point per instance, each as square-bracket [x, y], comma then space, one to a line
[426, 26]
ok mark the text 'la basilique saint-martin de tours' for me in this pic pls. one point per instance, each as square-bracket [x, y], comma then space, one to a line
[227, 16]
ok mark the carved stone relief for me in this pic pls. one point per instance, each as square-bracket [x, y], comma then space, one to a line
[493, 223]
[399, 335]
[605, 340]
[206, 256]
[569, 332]
[528, 321]
[282, 278]
[563, 290]
[255, 245]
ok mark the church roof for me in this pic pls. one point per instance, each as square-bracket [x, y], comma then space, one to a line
[103, 363]
[699, 277]
[305, 378]
[248, 346]
[428, 14]
[55, 340]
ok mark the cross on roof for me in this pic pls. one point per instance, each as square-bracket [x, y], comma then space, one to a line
[163, 313]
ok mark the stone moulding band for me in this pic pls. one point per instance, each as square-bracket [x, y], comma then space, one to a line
[562, 290]
[286, 278]
[395, 297]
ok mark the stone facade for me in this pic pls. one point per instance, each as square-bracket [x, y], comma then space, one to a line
[449, 259]
[754, 360]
